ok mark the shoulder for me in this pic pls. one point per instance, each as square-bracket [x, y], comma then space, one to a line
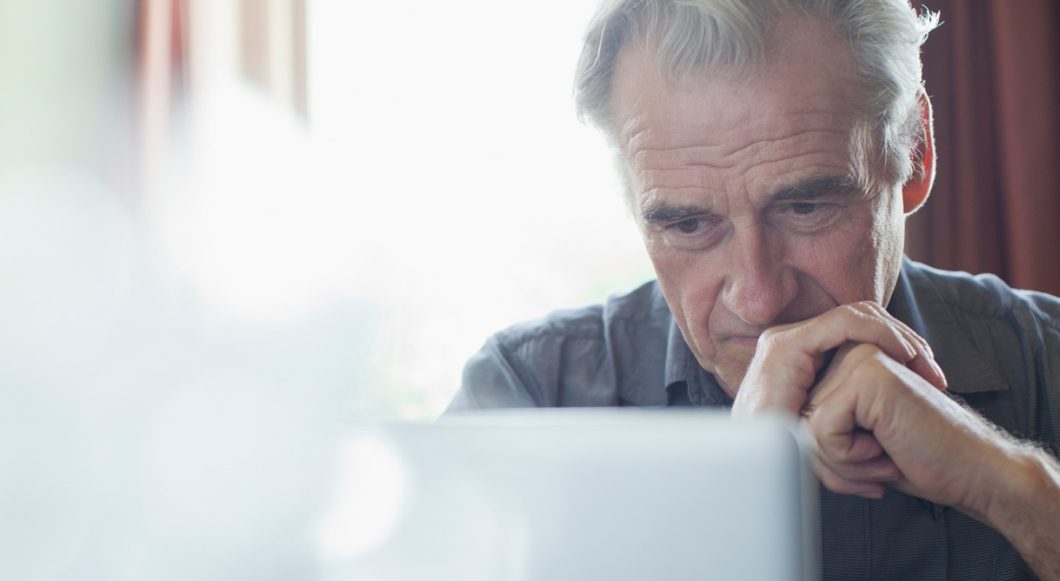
[641, 306]
[999, 347]
[571, 357]
[984, 296]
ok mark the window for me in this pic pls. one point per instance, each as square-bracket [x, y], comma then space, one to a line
[418, 184]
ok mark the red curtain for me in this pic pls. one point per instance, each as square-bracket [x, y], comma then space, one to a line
[993, 73]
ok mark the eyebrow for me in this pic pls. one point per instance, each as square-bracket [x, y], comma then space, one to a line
[810, 189]
[663, 213]
[816, 187]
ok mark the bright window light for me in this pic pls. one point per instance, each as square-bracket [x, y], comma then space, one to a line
[441, 183]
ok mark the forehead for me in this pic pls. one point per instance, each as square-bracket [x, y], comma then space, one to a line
[807, 81]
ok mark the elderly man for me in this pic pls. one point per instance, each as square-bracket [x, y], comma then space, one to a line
[771, 151]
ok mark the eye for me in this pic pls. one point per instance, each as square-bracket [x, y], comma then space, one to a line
[694, 233]
[689, 226]
[807, 217]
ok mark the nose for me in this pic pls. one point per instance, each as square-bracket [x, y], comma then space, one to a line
[760, 285]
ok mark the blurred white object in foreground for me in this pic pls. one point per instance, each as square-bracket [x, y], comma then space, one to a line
[135, 441]
[577, 495]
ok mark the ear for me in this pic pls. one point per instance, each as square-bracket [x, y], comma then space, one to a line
[916, 189]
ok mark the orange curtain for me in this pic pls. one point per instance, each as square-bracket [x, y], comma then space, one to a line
[993, 72]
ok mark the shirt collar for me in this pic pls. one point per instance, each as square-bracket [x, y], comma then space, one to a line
[683, 372]
[678, 355]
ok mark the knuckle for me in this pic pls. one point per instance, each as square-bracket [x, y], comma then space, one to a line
[770, 337]
[865, 308]
[874, 308]
[841, 454]
[866, 362]
[836, 454]
[863, 312]
[850, 310]
[857, 313]
[865, 353]
[769, 334]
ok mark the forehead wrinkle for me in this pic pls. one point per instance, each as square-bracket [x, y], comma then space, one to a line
[690, 177]
[800, 162]
[634, 132]
[661, 157]
[706, 177]
[794, 135]
[652, 198]
[668, 158]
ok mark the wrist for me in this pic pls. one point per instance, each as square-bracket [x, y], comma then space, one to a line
[1026, 509]
[1025, 481]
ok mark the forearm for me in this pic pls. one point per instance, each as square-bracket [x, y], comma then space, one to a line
[1027, 509]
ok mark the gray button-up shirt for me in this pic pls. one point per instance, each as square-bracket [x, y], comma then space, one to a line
[999, 348]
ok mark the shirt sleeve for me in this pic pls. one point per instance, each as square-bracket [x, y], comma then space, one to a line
[490, 381]
[1044, 323]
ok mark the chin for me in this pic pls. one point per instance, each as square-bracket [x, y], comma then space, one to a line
[730, 375]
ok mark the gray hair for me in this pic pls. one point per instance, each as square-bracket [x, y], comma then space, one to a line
[698, 35]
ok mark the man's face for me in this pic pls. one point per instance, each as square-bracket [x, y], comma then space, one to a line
[742, 189]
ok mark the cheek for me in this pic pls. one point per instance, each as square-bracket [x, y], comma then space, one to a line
[690, 283]
[850, 261]
[675, 274]
[889, 237]
[684, 276]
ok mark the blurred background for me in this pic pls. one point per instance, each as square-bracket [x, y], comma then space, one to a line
[380, 186]
[229, 226]
[993, 73]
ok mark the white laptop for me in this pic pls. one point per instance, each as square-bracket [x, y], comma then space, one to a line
[577, 495]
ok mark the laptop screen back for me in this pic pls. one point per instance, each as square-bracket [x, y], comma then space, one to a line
[589, 494]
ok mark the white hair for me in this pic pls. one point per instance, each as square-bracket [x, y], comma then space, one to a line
[699, 35]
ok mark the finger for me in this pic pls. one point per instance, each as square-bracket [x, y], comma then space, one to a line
[852, 448]
[839, 442]
[857, 323]
[859, 458]
[929, 369]
[840, 485]
[923, 363]
[907, 330]
[789, 357]
[837, 373]
[831, 419]
[879, 469]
